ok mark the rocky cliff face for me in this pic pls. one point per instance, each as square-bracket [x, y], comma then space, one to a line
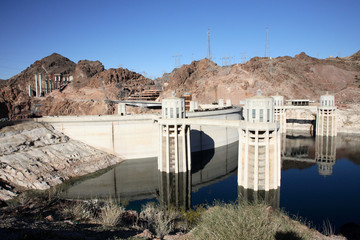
[84, 71]
[293, 77]
[54, 64]
[88, 93]
[35, 156]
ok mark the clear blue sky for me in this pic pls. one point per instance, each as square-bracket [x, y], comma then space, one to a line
[144, 35]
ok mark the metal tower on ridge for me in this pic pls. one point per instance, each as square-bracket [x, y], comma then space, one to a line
[209, 55]
[177, 60]
[267, 49]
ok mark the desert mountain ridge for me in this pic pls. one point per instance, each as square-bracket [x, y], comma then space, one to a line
[301, 76]
[87, 93]
[92, 86]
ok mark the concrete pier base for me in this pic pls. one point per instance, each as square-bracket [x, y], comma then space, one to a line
[36, 86]
[121, 109]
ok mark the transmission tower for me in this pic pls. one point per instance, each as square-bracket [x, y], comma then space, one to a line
[243, 57]
[177, 60]
[267, 49]
[226, 61]
[209, 55]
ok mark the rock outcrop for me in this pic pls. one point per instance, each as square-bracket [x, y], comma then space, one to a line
[84, 71]
[301, 76]
[90, 92]
[35, 156]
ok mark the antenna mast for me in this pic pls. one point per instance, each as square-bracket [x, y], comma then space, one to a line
[209, 56]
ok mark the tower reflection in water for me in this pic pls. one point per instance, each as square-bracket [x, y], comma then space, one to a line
[325, 154]
[139, 180]
[302, 151]
[175, 189]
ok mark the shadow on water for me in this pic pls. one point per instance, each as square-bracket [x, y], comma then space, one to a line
[200, 159]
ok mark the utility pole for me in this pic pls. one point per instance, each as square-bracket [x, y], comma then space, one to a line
[267, 49]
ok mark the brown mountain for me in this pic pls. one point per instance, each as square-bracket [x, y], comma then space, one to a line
[294, 77]
[88, 93]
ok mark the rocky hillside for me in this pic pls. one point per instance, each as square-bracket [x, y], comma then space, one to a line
[88, 93]
[93, 86]
[294, 77]
[35, 156]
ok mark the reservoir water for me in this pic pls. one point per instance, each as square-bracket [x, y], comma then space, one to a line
[320, 180]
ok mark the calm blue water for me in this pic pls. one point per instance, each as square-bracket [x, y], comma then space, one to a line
[306, 191]
[336, 198]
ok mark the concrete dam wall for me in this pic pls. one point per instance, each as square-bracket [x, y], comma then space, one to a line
[137, 136]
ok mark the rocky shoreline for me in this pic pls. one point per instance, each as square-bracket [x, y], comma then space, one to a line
[36, 156]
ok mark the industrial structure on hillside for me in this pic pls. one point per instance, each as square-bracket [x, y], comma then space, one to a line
[46, 83]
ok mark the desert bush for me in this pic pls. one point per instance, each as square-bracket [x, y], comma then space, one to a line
[246, 221]
[79, 211]
[158, 219]
[327, 228]
[192, 216]
[110, 214]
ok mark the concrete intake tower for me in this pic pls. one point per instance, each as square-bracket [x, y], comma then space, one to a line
[259, 163]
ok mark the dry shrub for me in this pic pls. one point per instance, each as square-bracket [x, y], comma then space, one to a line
[110, 214]
[79, 211]
[248, 222]
[192, 216]
[159, 220]
[328, 228]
